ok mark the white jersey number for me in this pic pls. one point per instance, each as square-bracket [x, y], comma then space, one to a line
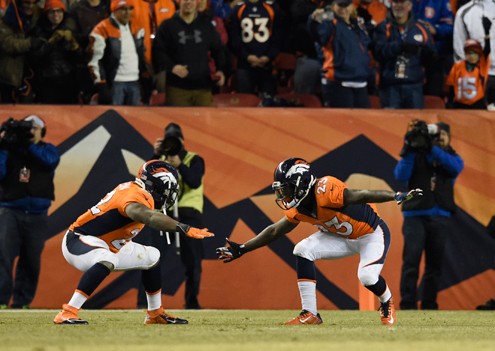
[344, 228]
[95, 210]
[255, 28]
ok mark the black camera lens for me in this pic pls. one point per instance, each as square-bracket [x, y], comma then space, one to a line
[171, 146]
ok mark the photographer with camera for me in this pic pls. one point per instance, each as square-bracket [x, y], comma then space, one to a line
[27, 169]
[191, 169]
[430, 163]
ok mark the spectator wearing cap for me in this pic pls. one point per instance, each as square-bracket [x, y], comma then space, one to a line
[401, 47]
[117, 57]
[471, 22]
[346, 54]
[15, 74]
[467, 78]
[431, 165]
[27, 169]
[54, 63]
[87, 14]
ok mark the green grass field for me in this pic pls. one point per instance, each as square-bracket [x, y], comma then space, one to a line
[218, 330]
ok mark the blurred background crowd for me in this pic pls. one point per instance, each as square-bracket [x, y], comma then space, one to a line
[331, 53]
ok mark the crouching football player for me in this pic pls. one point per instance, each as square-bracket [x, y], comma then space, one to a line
[348, 223]
[100, 240]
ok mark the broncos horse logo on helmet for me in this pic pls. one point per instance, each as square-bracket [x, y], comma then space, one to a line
[293, 180]
[161, 180]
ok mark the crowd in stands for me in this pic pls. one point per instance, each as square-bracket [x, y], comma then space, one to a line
[347, 53]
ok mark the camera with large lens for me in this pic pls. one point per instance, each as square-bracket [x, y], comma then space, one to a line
[420, 136]
[171, 145]
[15, 133]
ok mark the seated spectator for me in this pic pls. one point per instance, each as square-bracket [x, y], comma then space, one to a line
[401, 46]
[467, 79]
[54, 63]
[347, 60]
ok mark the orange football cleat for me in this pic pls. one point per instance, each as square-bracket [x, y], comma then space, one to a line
[68, 315]
[387, 312]
[305, 317]
[159, 316]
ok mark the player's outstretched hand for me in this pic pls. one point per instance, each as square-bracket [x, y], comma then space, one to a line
[230, 252]
[403, 197]
[192, 232]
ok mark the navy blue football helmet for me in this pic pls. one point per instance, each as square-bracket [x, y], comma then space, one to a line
[161, 180]
[293, 180]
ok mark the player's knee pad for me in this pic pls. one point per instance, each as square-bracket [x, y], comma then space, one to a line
[302, 250]
[153, 256]
[367, 277]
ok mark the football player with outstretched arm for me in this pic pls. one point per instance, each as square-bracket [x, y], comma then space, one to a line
[347, 223]
[100, 240]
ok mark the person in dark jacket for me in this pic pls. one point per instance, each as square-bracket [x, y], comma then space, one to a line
[54, 64]
[15, 74]
[430, 163]
[402, 45]
[347, 60]
[27, 169]
[181, 48]
[87, 14]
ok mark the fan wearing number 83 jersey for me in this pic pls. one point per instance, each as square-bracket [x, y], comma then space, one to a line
[100, 240]
[254, 37]
[347, 223]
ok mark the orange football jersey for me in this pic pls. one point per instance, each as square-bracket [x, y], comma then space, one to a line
[351, 221]
[469, 87]
[108, 220]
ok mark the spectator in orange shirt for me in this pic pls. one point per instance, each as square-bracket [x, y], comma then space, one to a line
[467, 78]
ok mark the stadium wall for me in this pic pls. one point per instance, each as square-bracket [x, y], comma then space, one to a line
[101, 147]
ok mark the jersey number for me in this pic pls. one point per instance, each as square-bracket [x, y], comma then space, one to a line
[257, 29]
[467, 88]
[95, 210]
[344, 228]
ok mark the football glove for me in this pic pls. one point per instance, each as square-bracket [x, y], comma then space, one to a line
[402, 197]
[231, 252]
[193, 232]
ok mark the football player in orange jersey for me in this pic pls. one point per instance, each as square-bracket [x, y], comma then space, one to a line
[100, 240]
[347, 223]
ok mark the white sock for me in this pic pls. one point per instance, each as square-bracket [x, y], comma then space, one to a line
[385, 296]
[154, 300]
[307, 290]
[77, 299]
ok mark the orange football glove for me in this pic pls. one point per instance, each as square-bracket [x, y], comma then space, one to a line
[193, 232]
